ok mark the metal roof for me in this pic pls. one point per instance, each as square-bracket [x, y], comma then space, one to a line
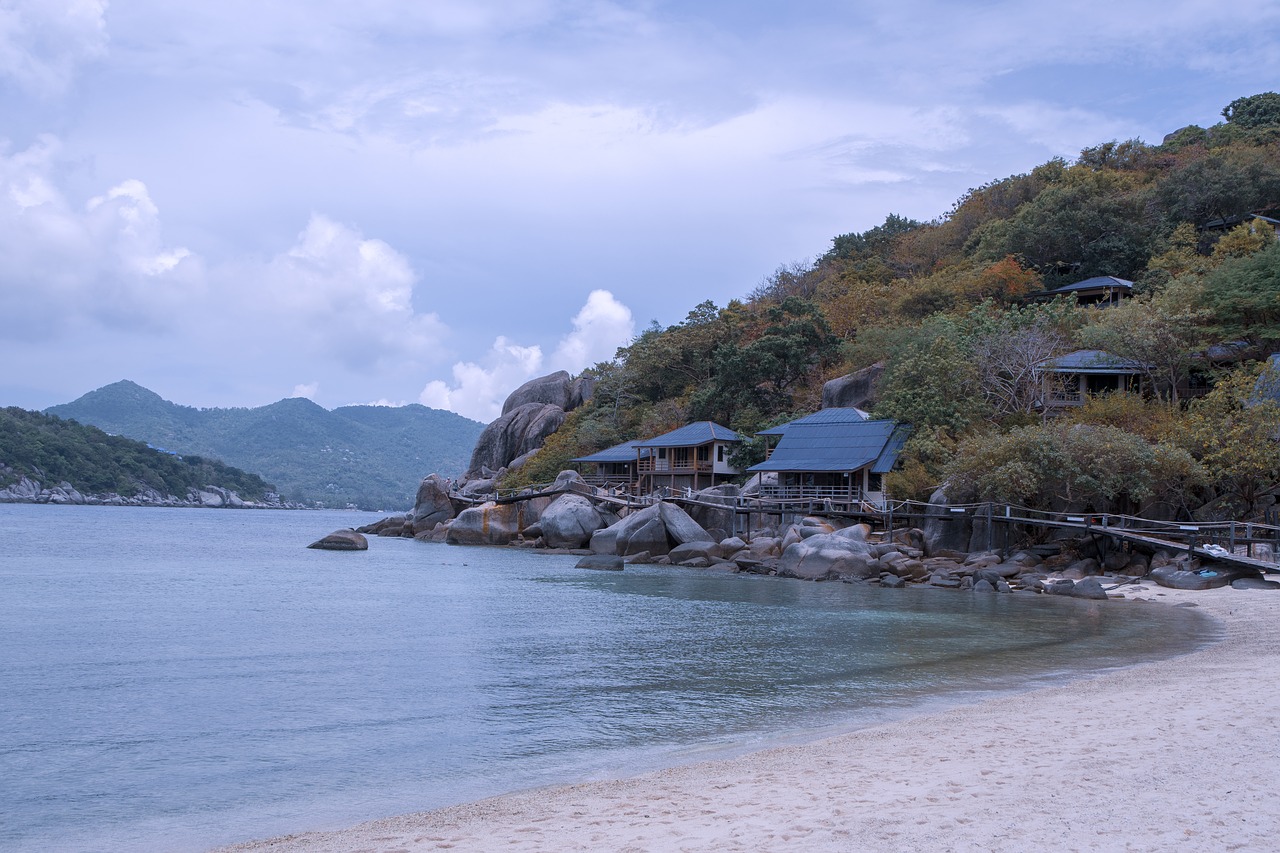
[822, 416]
[625, 452]
[1098, 281]
[837, 447]
[692, 435]
[1093, 361]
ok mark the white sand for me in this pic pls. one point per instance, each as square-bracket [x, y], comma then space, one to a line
[1182, 754]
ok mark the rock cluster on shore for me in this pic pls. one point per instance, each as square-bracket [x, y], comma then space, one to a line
[30, 491]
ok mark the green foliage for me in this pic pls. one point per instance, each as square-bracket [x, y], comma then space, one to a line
[370, 456]
[1063, 464]
[1235, 433]
[51, 450]
[1254, 111]
[1243, 296]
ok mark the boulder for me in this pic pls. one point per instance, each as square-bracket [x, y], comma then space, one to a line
[491, 523]
[1253, 582]
[342, 540]
[945, 530]
[827, 556]
[1090, 587]
[638, 531]
[855, 390]
[432, 505]
[709, 517]
[1173, 577]
[554, 389]
[569, 522]
[695, 550]
[607, 562]
[513, 435]
[680, 527]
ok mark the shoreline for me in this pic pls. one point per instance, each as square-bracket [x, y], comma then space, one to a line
[1166, 755]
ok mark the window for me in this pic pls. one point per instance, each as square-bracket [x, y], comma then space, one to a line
[873, 483]
[719, 452]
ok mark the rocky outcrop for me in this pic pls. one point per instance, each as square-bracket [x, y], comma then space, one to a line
[569, 522]
[513, 435]
[842, 554]
[854, 391]
[26, 490]
[342, 540]
[432, 505]
[655, 529]
[492, 523]
[943, 529]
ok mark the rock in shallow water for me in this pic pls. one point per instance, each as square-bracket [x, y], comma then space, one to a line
[342, 540]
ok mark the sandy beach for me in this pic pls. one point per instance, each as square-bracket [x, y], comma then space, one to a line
[1181, 754]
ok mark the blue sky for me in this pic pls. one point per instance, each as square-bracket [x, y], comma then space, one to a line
[394, 201]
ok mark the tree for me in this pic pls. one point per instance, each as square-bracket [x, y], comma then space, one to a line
[1254, 111]
[1161, 339]
[1009, 349]
[1235, 433]
[1243, 296]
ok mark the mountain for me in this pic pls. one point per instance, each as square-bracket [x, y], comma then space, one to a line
[369, 456]
[37, 448]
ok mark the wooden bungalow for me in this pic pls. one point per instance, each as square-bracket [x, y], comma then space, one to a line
[1069, 379]
[695, 457]
[823, 416]
[614, 466]
[1101, 290]
[834, 458]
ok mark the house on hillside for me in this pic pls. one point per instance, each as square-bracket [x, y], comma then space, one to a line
[833, 457]
[1069, 379]
[1101, 290]
[695, 456]
[614, 466]
[1224, 224]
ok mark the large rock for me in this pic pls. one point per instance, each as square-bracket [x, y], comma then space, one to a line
[655, 529]
[491, 523]
[854, 391]
[554, 389]
[721, 517]
[342, 540]
[943, 529]
[513, 435]
[826, 556]
[432, 505]
[569, 522]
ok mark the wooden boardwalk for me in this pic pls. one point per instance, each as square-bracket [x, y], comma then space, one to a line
[1219, 541]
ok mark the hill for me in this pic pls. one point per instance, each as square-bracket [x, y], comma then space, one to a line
[369, 456]
[947, 325]
[49, 450]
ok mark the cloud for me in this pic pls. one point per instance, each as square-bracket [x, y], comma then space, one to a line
[103, 265]
[307, 390]
[603, 325]
[43, 42]
[479, 389]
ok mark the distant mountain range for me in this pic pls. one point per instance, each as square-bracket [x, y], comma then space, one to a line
[372, 457]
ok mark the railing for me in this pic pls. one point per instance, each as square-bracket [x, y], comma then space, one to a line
[669, 466]
[810, 493]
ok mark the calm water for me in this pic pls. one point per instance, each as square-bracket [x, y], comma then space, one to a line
[176, 679]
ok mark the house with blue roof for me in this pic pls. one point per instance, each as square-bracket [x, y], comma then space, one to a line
[613, 466]
[1101, 290]
[834, 457]
[1070, 379]
[695, 456]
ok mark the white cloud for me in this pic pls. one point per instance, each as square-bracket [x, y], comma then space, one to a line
[307, 389]
[603, 325]
[43, 42]
[479, 389]
[104, 265]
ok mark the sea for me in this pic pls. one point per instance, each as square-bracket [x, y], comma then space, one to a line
[178, 679]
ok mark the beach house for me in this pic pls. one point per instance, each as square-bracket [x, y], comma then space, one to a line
[695, 456]
[834, 455]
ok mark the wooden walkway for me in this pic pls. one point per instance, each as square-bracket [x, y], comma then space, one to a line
[1219, 541]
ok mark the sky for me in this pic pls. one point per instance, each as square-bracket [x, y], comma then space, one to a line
[432, 201]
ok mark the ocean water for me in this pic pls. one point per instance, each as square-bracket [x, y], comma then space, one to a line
[175, 679]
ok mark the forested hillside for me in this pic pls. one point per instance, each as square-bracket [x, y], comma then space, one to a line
[51, 450]
[948, 309]
[370, 456]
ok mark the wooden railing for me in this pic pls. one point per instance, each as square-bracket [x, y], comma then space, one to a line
[670, 466]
